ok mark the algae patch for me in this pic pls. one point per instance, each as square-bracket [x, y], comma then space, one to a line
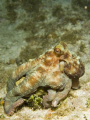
[58, 11]
[2, 116]
[11, 13]
[80, 3]
[88, 103]
[31, 5]
[35, 100]
[1, 101]
[71, 36]
[82, 47]
[29, 53]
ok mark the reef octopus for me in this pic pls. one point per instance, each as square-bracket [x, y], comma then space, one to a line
[57, 69]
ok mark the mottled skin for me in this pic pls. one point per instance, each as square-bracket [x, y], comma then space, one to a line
[57, 68]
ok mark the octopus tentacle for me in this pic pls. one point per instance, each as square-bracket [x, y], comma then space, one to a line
[11, 108]
[62, 94]
[20, 72]
[48, 98]
[23, 89]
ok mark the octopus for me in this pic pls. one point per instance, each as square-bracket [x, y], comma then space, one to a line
[57, 69]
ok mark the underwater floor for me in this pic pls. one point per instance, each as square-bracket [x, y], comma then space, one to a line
[28, 28]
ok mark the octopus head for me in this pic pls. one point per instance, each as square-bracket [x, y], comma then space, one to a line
[72, 65]
[74, 69]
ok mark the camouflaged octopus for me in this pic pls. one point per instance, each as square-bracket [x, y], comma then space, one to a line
[57, 68]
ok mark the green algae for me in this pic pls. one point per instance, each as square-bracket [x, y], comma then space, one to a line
[2, 116]
[29, 38]
[82, 7]
[4, 74]
[11, 13]
[80, 3]
[28, 25]
[88, 102]
[29, 53]
[31, 5]
[35, 100]
[71, 36]
[88, 7]
[82, 47]
[85, 117]
[73, 19]
[41, 17]
[58, 11]
[1, 101]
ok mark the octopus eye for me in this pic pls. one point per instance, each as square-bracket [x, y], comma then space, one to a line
[59, 49]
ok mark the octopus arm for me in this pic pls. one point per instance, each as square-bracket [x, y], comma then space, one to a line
[62, 94]
[20, 72]
[48, 98]
[14, 98]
